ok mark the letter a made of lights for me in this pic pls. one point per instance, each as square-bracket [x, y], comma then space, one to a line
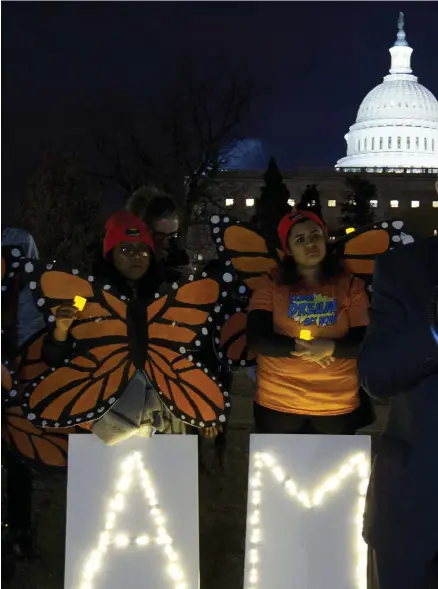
[358, 464]
[108, 538]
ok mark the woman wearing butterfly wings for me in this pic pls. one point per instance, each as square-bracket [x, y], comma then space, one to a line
[240, 246]
[255, 264]
[126, 355]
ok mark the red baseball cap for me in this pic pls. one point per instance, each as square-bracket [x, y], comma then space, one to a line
[289, 220]
[125, 226]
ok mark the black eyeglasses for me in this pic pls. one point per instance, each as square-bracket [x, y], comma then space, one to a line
[130, 252]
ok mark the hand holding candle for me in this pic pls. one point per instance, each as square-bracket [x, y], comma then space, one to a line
[319, 351]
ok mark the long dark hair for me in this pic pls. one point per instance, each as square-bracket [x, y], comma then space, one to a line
[147, 286]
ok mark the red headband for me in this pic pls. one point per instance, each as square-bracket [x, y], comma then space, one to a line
[125, 226]
[289, 220]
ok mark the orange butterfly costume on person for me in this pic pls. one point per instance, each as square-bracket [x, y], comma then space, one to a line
[37, 446]
[102, 364]
[240, 247]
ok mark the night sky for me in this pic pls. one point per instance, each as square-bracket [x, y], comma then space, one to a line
[313, 61]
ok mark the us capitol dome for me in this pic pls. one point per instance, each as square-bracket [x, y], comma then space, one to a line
[396, 128]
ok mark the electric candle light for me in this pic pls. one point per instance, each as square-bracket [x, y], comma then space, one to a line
[132, 465]
[357, 464]
[306, 335]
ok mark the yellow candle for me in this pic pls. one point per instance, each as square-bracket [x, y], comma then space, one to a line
[305, 334]
[79, 303]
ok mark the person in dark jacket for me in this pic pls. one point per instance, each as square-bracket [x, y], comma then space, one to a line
[129, 264]
[20, 320]
[399, 360]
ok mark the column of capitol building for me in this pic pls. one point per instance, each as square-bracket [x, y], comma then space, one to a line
[393, 144]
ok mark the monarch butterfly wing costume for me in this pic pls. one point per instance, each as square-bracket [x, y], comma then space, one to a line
[239, 246]
[178, 323]
[38, 447]
[359, 249]
[100, 367]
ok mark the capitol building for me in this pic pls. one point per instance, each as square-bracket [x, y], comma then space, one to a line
[396, 126]
[393, 144]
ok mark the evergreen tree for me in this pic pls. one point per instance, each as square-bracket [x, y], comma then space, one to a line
[272, 204]
[310, 200]
[357, 210]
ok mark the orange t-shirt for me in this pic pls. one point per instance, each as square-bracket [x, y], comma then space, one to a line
[295, 385]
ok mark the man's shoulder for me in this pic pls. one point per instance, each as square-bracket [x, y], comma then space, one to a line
[415, 253]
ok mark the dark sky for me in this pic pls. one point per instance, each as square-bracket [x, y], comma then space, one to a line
[315, 62]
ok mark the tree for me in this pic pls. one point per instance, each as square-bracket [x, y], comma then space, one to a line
[310, 200]
[357, 211]
[272, 204]
[61, 210]
[179, 141]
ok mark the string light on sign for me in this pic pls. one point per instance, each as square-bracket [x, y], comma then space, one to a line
[358, 465]
[108, 538]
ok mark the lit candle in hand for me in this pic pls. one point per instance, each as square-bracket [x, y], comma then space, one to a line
[305, 335]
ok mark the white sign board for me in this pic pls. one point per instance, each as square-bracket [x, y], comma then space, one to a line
[306, 498]
[132, 514]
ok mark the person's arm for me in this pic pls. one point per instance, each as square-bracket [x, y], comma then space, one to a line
[399, 348]
[260, 333]
[58, 345]
[54, 352]
[348, 347]
[358, 309]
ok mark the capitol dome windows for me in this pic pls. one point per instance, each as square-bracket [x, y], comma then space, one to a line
[398, 142]
[372, 144]
[394, 204]
[408, 143]
[417, 142]
[389, 142]
[425, 144]
[435, 204]
[381, 143]
[374, 204]
[365, 145]
[415, 204]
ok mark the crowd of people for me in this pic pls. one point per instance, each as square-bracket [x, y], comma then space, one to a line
[324, 350]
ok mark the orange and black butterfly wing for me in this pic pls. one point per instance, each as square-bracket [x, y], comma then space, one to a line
[240, 246]
[99, 368]
[230, 341]
[359, 249]
[39, 447]
[178, 324]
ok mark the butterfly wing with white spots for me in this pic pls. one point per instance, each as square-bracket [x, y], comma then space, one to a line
[240, 246]
[360, 248]
[178, 324]
[100, 366]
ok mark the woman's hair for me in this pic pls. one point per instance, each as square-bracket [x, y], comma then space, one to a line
[147, 286]
[331, 267]
[150, 203]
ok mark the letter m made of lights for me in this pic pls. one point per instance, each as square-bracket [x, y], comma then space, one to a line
[109, 538]
[357, 465]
